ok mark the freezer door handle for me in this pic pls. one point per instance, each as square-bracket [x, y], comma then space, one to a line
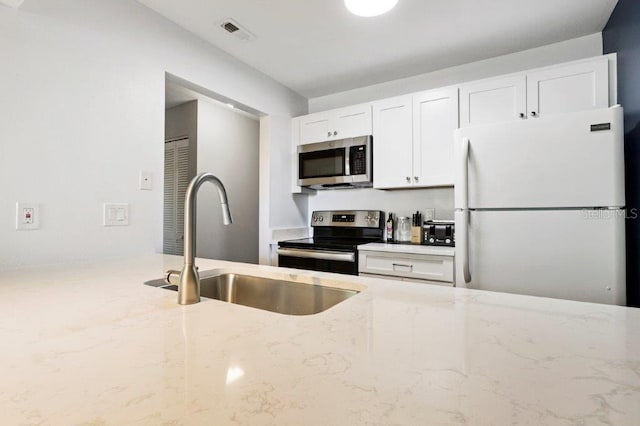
[463, 239]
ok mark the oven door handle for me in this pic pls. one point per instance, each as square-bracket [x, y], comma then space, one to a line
[318, 254]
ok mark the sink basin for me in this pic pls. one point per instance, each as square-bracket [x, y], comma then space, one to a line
[275, 295]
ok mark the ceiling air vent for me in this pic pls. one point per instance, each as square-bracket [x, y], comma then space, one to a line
[235, 29]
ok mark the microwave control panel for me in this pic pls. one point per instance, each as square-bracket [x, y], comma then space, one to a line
[358, 160]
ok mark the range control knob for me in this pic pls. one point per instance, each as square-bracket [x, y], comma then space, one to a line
[432, 240]
[321, 218]
[448, 241]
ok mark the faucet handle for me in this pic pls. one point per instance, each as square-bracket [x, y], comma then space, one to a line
[172, 277]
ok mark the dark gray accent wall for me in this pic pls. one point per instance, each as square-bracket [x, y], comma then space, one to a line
[622, 36]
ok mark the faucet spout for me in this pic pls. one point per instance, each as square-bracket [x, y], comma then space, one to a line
[189, 286]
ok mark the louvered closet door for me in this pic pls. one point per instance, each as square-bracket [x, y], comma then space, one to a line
[176, 180]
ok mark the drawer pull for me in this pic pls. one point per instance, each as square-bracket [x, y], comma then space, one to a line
[402, 265]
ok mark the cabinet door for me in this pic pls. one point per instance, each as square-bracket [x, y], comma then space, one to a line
[492, 101]
[314, 128]
[435, 117]
[570, 88]
[350, 122]
[392, 142]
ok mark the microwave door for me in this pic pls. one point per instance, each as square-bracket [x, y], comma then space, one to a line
[325, 166]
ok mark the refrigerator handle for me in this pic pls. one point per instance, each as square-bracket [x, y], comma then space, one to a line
[464, 174]
[463, 243]
[464, 205]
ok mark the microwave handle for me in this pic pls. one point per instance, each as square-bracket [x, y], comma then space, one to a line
[347, 161]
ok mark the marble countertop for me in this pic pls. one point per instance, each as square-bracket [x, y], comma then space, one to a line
[92, 345]
[409, 248]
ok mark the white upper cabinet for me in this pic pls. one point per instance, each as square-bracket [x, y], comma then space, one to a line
[339, 123]
[393, 142]
[555, 90]
[413, 134]
[314, 128]
[494, 100]
[413, 140]
[435, 117]
[569, 88]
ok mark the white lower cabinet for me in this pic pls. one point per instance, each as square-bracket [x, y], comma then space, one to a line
[425, 268]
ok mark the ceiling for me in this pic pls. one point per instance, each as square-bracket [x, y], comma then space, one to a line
[316, 47]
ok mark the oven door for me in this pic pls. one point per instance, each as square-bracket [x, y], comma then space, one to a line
[341, 262]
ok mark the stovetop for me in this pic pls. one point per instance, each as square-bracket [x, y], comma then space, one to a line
[341, 230]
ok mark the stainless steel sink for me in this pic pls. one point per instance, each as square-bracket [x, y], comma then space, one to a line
[275, 295]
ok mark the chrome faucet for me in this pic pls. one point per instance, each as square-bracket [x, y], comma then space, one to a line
[189, 281]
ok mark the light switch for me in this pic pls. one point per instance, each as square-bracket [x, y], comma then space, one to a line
[146, 181]
[27, 216]
[116, 214]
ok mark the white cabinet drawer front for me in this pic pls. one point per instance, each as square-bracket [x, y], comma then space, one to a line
[436, 268]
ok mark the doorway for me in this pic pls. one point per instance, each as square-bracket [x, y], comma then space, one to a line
[217, 137]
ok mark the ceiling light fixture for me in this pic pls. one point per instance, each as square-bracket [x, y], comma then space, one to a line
[368, 8]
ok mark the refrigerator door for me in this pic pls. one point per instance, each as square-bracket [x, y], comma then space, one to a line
[565, 254]
[568, 160]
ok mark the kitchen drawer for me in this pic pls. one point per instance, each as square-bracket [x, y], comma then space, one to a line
[413, 266]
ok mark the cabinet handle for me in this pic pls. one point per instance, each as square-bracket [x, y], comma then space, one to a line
[328, 134]
[335, 133]
[534, 114]
[522, 115]
[402, 265]
[408, 179]
[417, 178]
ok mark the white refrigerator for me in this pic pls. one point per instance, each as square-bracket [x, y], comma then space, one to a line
[539, 207]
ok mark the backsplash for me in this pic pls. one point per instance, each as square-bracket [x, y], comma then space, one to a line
[400, 202]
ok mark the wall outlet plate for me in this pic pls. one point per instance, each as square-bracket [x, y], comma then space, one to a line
[27, 216]
[429, 214]
[146, 181]
[116, 214]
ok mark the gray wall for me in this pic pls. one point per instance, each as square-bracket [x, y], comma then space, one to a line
[228, 147]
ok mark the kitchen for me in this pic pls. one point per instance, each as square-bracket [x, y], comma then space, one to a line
[83, 102]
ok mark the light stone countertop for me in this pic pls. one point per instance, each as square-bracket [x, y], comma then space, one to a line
[92, 345]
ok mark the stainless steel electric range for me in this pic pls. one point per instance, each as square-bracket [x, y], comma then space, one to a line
[335, 241]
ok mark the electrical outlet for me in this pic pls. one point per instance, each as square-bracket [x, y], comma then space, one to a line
[27, 216]
[429, 214]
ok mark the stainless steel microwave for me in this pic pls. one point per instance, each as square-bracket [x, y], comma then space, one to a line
[336, 164]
